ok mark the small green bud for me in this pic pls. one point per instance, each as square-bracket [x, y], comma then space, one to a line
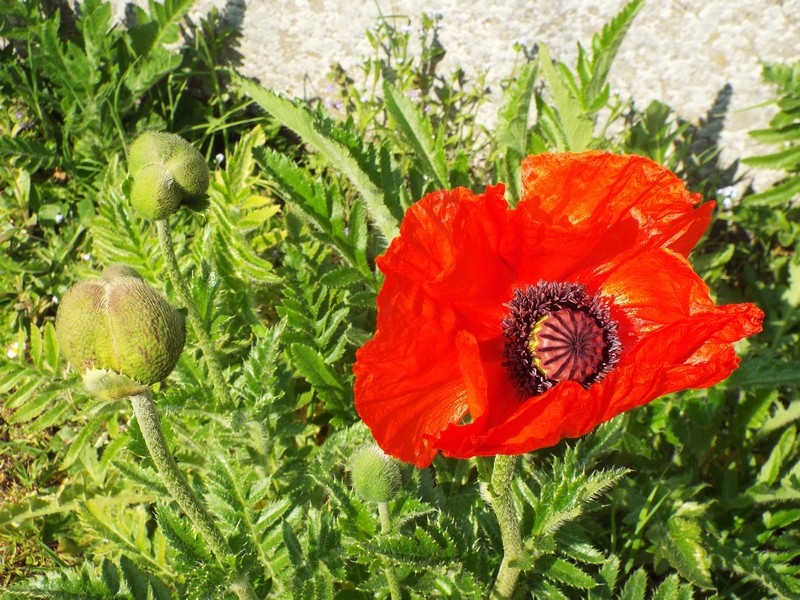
[119, 324]
[375, 476]
[154, 193]
[166, 171]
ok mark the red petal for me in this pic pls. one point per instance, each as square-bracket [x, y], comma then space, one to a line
[408, 383]
[614, 199]
[449, 244]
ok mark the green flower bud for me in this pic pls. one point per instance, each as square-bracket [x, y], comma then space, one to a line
[119, 326]
[154, 193]
[375, 476]
[166, 171]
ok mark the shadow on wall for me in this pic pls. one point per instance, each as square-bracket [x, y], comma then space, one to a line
[703, 163]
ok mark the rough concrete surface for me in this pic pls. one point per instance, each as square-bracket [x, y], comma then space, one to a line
[682, 53]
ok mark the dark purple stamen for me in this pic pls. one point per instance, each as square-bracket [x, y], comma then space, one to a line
[557, 332]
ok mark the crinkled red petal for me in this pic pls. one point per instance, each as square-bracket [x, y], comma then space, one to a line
[408, 383]
[613, 199]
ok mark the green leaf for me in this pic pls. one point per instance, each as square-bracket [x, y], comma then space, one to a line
[136, 581]
[36, 406]
[181, 538]
[312, 367]
[635, 587]
[788, 133]
[781, 193]
[418, 132]
[567, 573]
[668, 590]
[514, 114]
[346, 158]
[771, 469]
[575, 126]
[110, 576]
[160, 27]
[86, 433]
[605, 46]
[51, 354]
[765, 371]
[27, 153]
[680, 543]
[787, 160]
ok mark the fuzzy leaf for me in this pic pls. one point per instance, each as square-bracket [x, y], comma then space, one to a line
[680, 543]
[418, 132]
[346, 158]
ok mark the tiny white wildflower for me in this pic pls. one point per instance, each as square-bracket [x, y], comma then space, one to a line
[59, 218]
[219, 158]
[729, 191]
[86, 257]
[12, 351]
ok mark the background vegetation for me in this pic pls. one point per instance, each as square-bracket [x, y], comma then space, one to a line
[693, 496]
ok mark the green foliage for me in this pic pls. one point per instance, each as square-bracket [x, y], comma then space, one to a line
[692, 496]
[784, 129]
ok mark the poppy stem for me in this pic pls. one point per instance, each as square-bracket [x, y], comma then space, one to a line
[173, 479]
[503, 505]
[203, 337]
[386, 527]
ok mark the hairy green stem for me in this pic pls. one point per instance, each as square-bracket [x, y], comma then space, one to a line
[203, 336]
[147, 416]
[386, 526]
[503, 505]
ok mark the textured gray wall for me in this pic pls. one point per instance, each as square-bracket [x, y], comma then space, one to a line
[680, 52]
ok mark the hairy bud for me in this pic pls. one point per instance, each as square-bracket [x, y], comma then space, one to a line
[166, 171]
[375, 476]
[119, 326]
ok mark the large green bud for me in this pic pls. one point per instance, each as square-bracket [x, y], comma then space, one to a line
[166, 171]
[123, 326]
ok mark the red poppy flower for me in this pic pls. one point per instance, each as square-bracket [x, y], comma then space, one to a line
[501, 330]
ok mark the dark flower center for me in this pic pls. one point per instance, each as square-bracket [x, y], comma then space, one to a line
[557, 332]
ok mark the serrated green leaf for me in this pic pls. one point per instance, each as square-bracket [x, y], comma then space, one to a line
[576, 126]
[512, 118]
[780, 193]
[567, 573]
[605, 46]
[635, 587]
[668, 590]
[35, 406]
[110, 576]
[765, 371]
[787, 160]
[319, 134]
[181, 538]
[311, 365]
[418, 133]
[51, 354]
[680, 542]
[136, 581]
[778, 135]
[771, 469]
[86, 433]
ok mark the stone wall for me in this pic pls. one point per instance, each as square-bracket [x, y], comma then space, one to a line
[683, 53]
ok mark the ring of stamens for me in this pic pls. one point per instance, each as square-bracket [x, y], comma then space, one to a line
[557, 332]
